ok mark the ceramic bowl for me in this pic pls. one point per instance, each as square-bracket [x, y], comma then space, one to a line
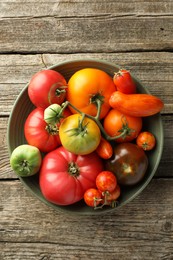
[23, 106]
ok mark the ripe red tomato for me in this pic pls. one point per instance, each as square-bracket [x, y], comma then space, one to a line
[146, 140]
[109, 198]
[129, 163]
[124, 82]
[64, 177]
[106, 181]
[92, 197]
[86, 86]
[40, 134]
[47, 87]
[116, 122]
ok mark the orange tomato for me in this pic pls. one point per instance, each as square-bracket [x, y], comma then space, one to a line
[139, 105]
[104, 150]
[116, 122]
[146, 141]
[88, 85]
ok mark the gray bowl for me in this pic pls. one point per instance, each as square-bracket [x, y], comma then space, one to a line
[23, 107]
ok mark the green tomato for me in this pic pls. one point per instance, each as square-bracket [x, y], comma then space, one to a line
[25, 160]
[79, 134]
[51, 114]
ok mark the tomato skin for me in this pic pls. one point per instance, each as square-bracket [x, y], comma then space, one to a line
[129, 163]
[76, 140]
[111, 197]
[106, 181]
[43, 86]
[113, 125]
[86, 84]
[139, 105]
[36, 133]
[104, 150]
[92, 197]
[64, 177]
[146, 141]
[124, 82]
[25, 160]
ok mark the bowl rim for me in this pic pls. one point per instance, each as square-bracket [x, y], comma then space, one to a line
[135, 194]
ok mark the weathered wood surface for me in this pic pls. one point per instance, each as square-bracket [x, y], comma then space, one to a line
[137, 35]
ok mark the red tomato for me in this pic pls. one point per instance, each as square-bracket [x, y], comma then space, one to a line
[104, 150]
[146, 141]
[64, 176]
[124, 82]
[92, 197]
[139, 105]
[47, 87]
[86, 86]
[106, 181]
[116, 122]
[40, 134]
[109, 198]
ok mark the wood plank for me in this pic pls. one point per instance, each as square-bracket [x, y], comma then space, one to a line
[82, 8]
[31, 230]
[73, 34]
[154, 69]
[164, 170]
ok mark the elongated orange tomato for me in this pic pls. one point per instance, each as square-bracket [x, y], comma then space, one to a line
[104, 150]
[139, 105]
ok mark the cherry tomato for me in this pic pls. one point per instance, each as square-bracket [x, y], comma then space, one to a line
[139, 105]
[129, 163]
[86, 87]
[106, 181]
[116, 123]
[104, 150]
[146, 140]
[64, 177]
[47, 87]
[124, 82]
[92, 197]
[109, 198]
[79, 135]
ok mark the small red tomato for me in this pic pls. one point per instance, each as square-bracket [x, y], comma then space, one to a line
[104, 150]
[110, 197]
[146, 141]
[106, 181]
[124, 82]
[92, 197]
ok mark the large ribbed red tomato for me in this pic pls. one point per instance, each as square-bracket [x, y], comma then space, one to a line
[64, 176]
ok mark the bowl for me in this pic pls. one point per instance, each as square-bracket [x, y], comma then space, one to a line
[23, 106]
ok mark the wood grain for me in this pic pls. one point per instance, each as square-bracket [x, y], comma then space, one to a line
[154, 69]
[34, 231]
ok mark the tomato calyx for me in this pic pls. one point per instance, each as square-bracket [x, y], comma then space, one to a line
[52, 129]
[24, 167]
[81, 129]
[73, 170]
[60, 91]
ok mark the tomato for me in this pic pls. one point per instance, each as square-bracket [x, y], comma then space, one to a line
[124, 82]
[40, 134]
[64, 177]
[115, 123]
[92, 197]
[110, 198]
[104, 150]
[51, 114]
[129, 163]
[47, 87]
[25, 160]
[146, 140]
[88, 86]
[79, 135]
[139, 105]
[106, 181]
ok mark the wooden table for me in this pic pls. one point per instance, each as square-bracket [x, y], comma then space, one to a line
[137, 35]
